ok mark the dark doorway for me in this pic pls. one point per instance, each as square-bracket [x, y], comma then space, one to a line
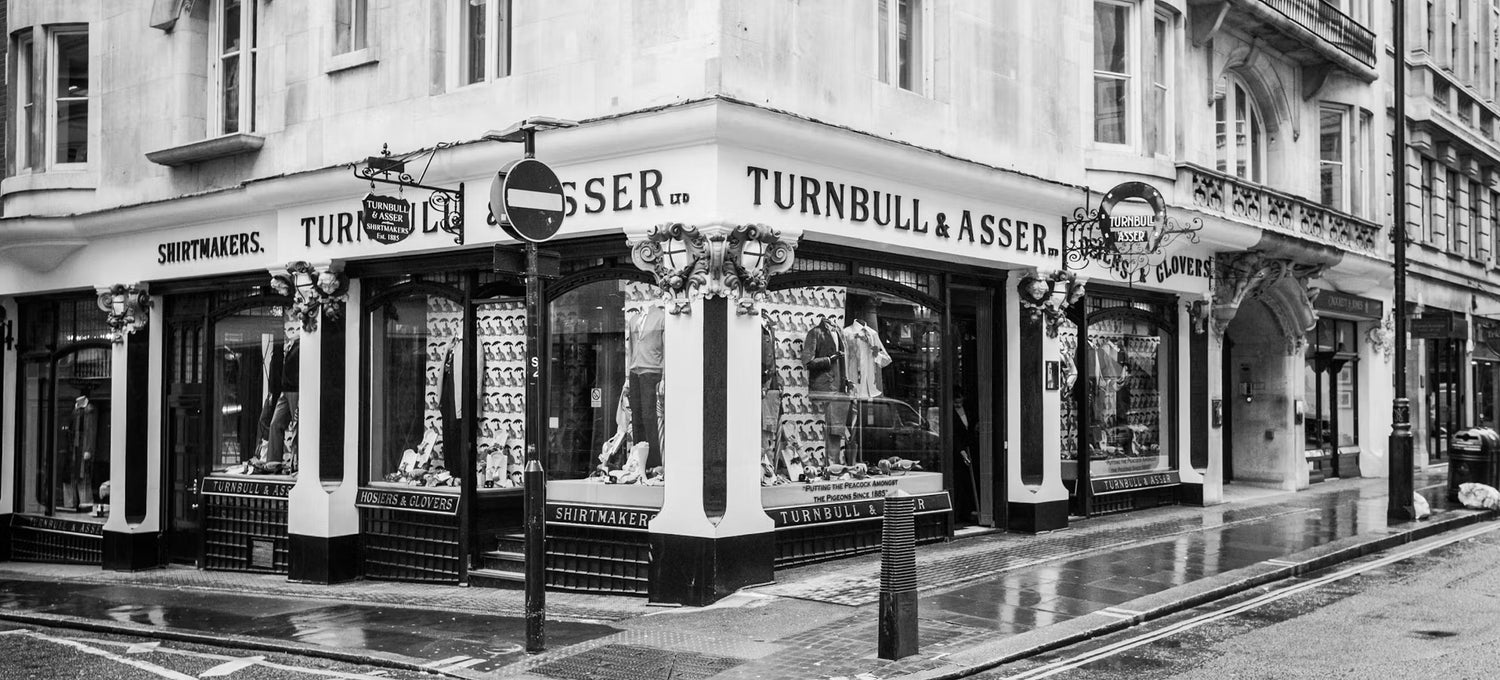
[978, 461]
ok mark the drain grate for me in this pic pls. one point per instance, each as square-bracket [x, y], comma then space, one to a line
[629, 662]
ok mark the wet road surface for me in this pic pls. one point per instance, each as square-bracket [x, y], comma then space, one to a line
[483, 642]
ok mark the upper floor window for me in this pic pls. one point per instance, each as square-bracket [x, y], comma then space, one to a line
[1333, 157]
[484, 40]
[902, 59]
[1132, 83]
[52, 98]
[235, 36]
[351, 26]
[1239, 133]
[1456, 236]
[1425, 221]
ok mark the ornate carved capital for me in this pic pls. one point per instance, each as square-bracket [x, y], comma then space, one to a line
[1254, 275]
[713, 261]
[315, 290]
[1047, 296]
[1382, 337]
[128, 308]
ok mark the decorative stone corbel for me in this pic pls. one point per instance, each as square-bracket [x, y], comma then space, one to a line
[1046, 296]
[718, 260]
[313, 290]
[1382, 336]
[128, 308]
[1200, 311]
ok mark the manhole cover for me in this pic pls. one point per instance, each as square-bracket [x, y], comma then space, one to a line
[629, 662]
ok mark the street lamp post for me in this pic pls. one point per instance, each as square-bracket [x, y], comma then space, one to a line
[1399, 506]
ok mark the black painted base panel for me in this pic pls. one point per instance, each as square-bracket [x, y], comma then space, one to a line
[1192, 494]
[324, 560]
[133, 551]
[1038, 517]
[4, 537]
[695, 571]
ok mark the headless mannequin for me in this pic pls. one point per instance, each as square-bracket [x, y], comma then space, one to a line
[823, 355]
[644, 354]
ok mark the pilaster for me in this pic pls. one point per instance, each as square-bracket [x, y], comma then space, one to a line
[132, 533]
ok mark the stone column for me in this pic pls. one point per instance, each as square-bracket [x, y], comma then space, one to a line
[132, 533]
[1200, 455]
[322, 522]
[712, 535]
[1038, 500]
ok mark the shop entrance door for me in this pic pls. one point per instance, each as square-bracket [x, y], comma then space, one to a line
[1445, 399]
[977, 460]
[184, 424]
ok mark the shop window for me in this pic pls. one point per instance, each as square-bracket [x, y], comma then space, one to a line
[235, 34]
[608, 356]
[351, 26]
[66, 401]
[483, 31]
[851, 380]
[1126, 363]
[254, 407]
[902, 39]
[52, 99]
[1330, 398]
[414, 347]
[1239, 133]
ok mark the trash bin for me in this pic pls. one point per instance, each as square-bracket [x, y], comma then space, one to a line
[1474, 457]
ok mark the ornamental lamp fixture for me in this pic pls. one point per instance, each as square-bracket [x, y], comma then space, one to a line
[7, 331]
[312, 291]
[127, 309]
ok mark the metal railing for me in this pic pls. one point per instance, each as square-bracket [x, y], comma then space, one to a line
[1330, 24]
[1235, 198]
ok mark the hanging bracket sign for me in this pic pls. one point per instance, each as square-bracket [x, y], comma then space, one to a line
[387, 219]
[1128, 232]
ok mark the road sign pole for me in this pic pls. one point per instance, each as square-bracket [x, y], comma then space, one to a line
[536, 445]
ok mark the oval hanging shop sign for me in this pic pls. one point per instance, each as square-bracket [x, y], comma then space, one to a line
[387, 219]
[1133, 216]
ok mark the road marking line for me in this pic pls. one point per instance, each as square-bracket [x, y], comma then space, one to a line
[137, 663]
[1253, 603]
[268, 664]
[444, 662]
[462, 665]
[231, 666]
[1282, 563]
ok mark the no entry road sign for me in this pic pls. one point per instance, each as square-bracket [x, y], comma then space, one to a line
[527, 199]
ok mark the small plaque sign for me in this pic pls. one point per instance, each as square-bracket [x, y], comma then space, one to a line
[1110, 485]
[635, 519]
[411, 501]
[387, 219]
[262, 553]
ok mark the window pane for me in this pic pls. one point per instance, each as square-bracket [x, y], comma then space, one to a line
[343, 18]
[850, 378]
[883, 27]
[81, 425]
[72, 65]
[1348, 404]
[908, 48]
[414, 399]
[230, 35]
[36, 467]
[229, 88]
[1110, 26]
[474, 49]
[1125, 384]
[1109, 110]
[73, 131]
[503, 34]
[361, 27]
[255, 367]
[1257, 150]
[1221, 136]
[31, 116]
[1331, 135]
[608, 342]
[501, 339]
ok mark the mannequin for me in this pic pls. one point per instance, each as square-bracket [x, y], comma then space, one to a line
[823, 355]
[282, 434]
[77, 473]
[644, 344]
[866, 355]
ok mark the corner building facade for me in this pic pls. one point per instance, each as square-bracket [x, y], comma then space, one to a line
[795, 274]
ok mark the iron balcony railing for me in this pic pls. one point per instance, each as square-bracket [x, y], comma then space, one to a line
[1229, 196]
[1330, 24]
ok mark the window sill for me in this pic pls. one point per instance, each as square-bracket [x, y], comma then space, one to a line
[351, 60]
[49, 181]
[1128, 160]
[208, 149]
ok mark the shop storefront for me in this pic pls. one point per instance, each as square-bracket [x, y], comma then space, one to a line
[1486, 367]
[1444, 336]
[1331, 399]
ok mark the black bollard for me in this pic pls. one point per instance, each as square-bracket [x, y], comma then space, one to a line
[898, 577]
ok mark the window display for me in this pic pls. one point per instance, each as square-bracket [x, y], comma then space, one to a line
[850, 380]
[609, 356]
[65, 393]
[1124, 391]
[1330, 389]
[255, 374]
[501, 335]
[414, 353]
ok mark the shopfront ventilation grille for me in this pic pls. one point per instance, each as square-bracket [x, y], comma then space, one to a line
[246, 534]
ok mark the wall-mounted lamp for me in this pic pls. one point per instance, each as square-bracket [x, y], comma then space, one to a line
[128, 309]
[7, 331]
[1047, 296]
[716, 260]
[312, 291]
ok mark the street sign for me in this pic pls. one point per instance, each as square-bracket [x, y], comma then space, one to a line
[386, 219]
[527, 199]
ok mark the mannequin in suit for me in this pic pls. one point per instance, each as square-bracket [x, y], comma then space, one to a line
[823, 356]
[644, 354]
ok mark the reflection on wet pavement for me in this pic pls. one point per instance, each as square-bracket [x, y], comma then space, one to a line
[1029, 598]
[417, 633]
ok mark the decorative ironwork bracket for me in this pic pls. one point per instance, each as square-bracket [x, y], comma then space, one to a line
[1088, 238]
[391, 169]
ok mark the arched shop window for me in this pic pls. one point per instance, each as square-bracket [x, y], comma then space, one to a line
[1126, 378]
[65, 357]
[608, 359]
[851, 377]
[415, 330]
